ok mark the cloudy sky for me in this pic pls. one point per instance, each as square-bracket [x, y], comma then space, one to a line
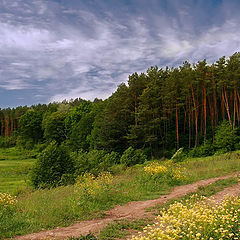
[52, 50]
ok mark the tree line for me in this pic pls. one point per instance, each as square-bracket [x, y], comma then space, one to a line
[158, 111]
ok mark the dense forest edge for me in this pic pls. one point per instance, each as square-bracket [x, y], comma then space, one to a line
[72, 160]
[194, 108]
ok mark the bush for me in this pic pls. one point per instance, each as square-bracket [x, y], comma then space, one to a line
[7, 142]
[131, 157]
[206, 149]
[88, 162]
[225, 137]
[54, 127]
[52, 164]
[91, 191]
[109, 160]
[94, 161]
[25, 143]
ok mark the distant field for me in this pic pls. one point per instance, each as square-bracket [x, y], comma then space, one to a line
[14, 168]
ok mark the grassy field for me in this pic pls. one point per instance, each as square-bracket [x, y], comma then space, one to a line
[49, 208]
[14, 169]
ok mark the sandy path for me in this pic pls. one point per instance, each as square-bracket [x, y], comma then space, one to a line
[218, 197]
[230, 191]
[132, 210]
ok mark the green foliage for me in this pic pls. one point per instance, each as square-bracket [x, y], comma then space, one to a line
[51, 166]
[131, 157]
[178, 155]
[7, 142]
[225, 137]
[110, 159]
[30, 131]
[54, 126]
[112, 123]
[63, 206]
[204, 150]
[94, 161]
[76, 114]
[93, 189]
[88, 162]
[79, 139]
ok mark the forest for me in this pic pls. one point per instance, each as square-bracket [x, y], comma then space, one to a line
[191, 107]
[169, 138]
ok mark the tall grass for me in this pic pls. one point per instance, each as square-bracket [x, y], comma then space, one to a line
[213, 166]
[48, 208]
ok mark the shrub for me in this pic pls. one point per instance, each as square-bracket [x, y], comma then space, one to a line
[94, 161]
[52, 164]
[88, 162]
[7, 142]
[206, 149]
[89, 185]
[155, 168]
[131, 157]
[24, 143]
[225, 137]
[109, 160]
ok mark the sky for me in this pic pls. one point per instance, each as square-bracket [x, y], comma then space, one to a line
[51, 50]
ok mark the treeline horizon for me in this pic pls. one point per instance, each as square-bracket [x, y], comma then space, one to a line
[158, 111]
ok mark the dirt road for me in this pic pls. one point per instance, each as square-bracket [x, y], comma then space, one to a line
[132, 210]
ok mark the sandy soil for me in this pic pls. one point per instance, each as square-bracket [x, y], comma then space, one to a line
[132, 210]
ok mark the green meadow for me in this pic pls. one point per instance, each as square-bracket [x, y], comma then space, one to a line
[48, 208]
[15, 165]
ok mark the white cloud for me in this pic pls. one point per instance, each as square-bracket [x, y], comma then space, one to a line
[15, 84]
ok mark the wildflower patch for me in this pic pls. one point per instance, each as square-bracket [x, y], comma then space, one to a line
[169, 171]
[7, 200]
[90, 188]
[196, 218]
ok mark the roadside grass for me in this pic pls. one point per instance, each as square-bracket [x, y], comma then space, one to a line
[123, 228]
[15, 165]
[49, 208]
[212, 166]
[206, 191]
